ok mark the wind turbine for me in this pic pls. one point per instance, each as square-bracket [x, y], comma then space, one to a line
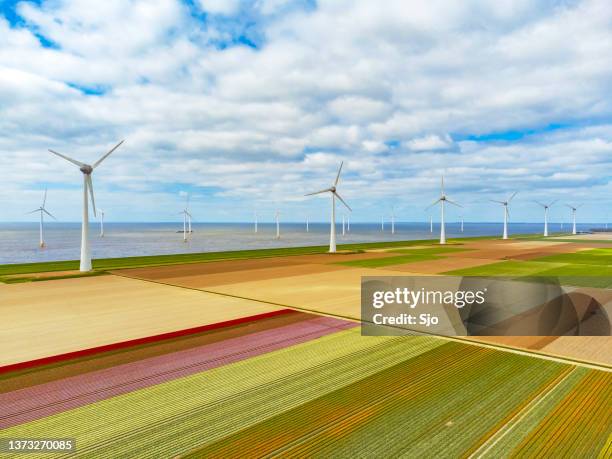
[392, 220]
[443, 199]
[382, 223]
[343, 231]
[186, 216]
[506, 213]
[101, 223]
[348, 223]
[431, 224]
[277, 224]
[87, 170]
[256, 221]
[334, 195]
[462, 223]
[307, 228]
[42, 211]
[546, 207]
[574, 209]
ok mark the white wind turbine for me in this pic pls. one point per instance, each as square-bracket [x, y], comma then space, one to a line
[343, 225]
[255, 221]
[87, 170]
[307, 228]
[546, 207]
[186, 216]
[348, 223]
[334, 195]
[392, 220]
[574, 209]
[443, 199]
[101, 222]
[382, 223]
[431, 224]
[42, 211]
[462, 223]
[506, 212]
[276, 216]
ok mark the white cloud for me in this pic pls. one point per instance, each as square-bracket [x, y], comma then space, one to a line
[342, 81]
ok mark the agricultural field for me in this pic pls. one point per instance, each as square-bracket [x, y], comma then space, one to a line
[245, 355]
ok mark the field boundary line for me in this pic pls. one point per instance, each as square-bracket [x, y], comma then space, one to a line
[518, 417]
[498, 347]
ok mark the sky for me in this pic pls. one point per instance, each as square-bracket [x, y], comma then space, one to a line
[249, 105]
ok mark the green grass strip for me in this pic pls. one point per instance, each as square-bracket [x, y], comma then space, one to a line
[586, 257]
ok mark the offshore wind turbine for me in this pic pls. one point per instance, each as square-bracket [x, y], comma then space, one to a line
[574, 209]
[42, 211]
[186, 216]
[277, 224]
[506, 213]
[546, 207]
[382, 223]
[334, 195]
[462, 223]
[431, 224]
[87, 170]
[101, 223]
[392, 220]
[348, 223]
[442, 200]
[307, 228]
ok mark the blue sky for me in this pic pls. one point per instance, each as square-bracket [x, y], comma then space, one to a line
[250, 105]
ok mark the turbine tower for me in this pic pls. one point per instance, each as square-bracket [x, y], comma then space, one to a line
[307, 228]
[431, 224]
[462, 223]
[186, 217]
[277, 224]
[392, 220]
[42, 211]
[343, 225]
[546, 207]
[443, 199]
[574, 209]
[87, 170]
[256, 221]
[101, 223]
[334, 195]
[382, 223]
[506, 213]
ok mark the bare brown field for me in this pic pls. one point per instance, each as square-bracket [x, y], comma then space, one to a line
[591, 348]
[60, 316]
[203, 281]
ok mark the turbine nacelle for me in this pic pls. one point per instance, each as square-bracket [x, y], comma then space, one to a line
[86, 169]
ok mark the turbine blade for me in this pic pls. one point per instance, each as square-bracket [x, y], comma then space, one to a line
[44, 199]
[343, 202]
[538, 202]
[442, 184]
[36, 210]
[49, 214]
[318, 192]
[188, 214]
[511, 197]
[73, 161]
[91, 194]
[97, 163]
[434, 203]
[569, 206]
[338, 176]
[453, 203]
[498, 202]
[550, 205]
